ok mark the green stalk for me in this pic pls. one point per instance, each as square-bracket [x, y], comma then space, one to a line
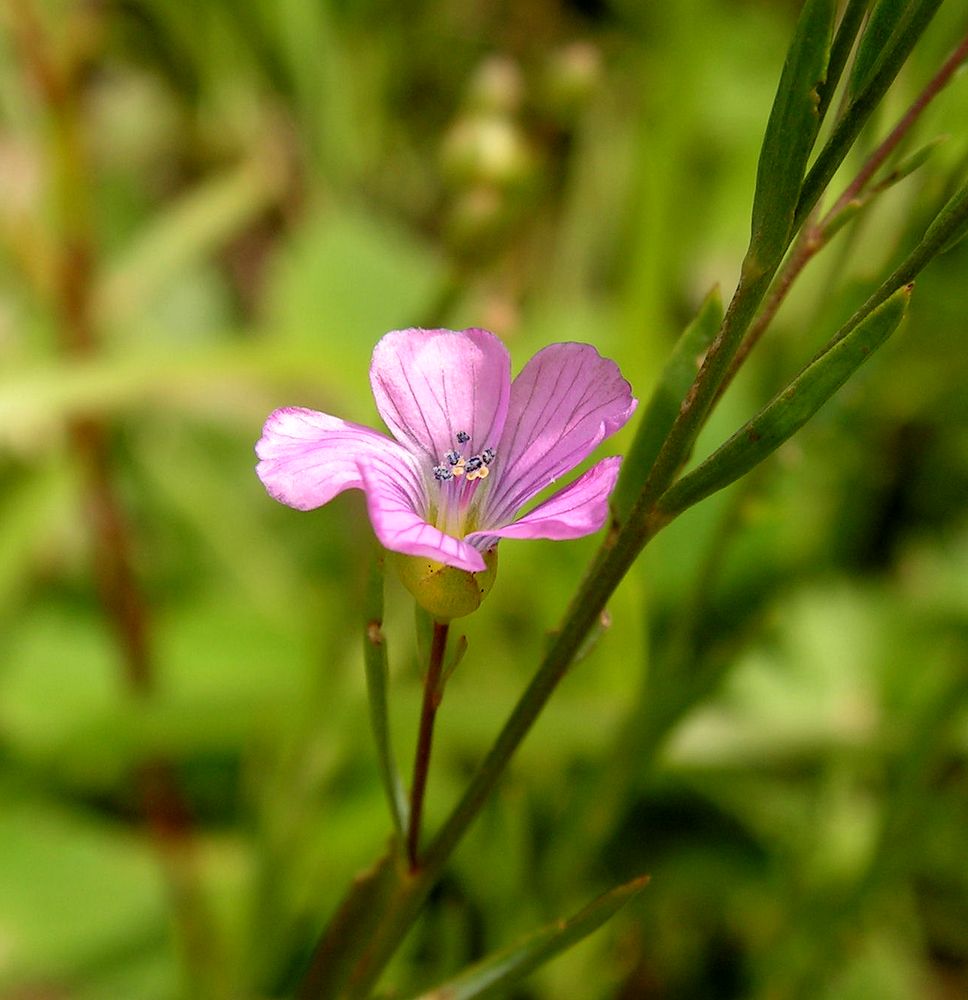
[375, 662]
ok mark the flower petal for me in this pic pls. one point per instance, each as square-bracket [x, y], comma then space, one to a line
[399, 517]
[566, 400]
[577, 510]
[430, 385]
[308, 457]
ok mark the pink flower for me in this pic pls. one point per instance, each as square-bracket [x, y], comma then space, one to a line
[472, 447]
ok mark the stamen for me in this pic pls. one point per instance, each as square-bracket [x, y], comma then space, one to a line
[463, 437]
[455, 465]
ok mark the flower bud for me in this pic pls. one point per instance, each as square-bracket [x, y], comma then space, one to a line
[444, 591]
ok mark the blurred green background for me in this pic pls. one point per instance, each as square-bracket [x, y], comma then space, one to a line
[210, 210]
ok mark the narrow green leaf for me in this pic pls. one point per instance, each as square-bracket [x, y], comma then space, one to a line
[840, 50]
[951, 225]
[791, 132]
[186, 232]
[908, 164]
[663, 407]
[886, 17]
[350, 929]
[377, 672]
[495, 974]
[789, 410]
[859, 110]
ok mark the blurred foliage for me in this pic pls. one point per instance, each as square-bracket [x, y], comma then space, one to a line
[775, 727]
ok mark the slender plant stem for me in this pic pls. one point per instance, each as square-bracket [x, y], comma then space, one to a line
[375, 662]
[421, 765]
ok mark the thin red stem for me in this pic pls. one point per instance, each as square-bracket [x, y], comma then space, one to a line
[421, 766]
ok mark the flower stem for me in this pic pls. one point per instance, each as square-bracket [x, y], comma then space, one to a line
[421, 766]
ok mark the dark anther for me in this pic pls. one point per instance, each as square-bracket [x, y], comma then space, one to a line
[452, 457]
[463, 437]
[474, 463]
[442, 473]
[487, 456]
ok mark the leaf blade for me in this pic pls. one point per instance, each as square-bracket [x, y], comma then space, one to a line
[789, 410]
[791, 132]
[509, 965]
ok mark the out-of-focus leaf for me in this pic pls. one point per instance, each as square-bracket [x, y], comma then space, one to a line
[185, 233]
[28, 512]
[789, 410]
[791, 132]
[663, 407]
[228, 675]
[346, 280]
[75, 894]
[500, 971]
[31, 399]
[947, 229]
[349, 929]
[910, 163]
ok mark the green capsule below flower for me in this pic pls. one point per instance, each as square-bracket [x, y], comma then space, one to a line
[445, 591]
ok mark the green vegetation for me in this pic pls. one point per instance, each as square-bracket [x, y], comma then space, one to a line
[211, 210]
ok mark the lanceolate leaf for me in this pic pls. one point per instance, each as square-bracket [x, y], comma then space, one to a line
[789, 410]
[906, 166]
[498, 972]
[791, 132]
[885, 18]
[663, 407]
[859, 109]
[350, 928]
[841, 49]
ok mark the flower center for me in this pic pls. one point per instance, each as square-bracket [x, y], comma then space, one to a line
[457, 475]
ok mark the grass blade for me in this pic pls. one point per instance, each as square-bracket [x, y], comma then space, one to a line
[495, 974]
[791, 132]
